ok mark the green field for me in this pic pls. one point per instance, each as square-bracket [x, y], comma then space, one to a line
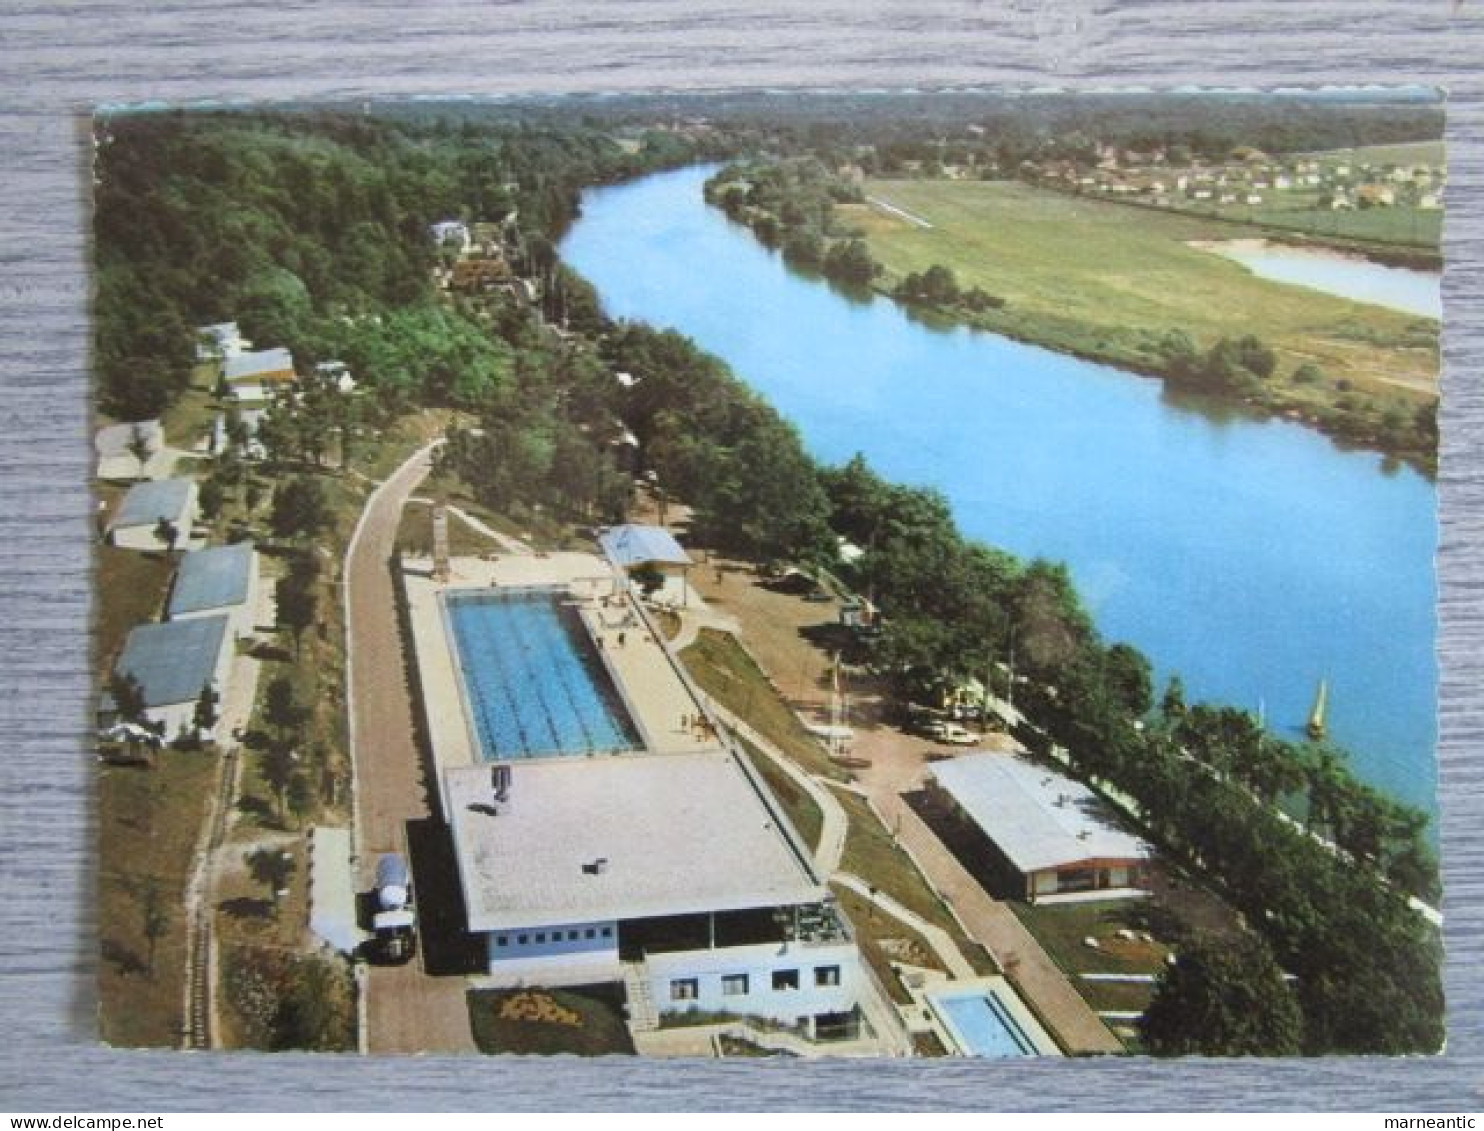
[1402, 153]
[1106, 280]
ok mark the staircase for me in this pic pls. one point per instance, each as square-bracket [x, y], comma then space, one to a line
[643, 1017]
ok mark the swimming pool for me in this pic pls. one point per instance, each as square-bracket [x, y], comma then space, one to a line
[533, 685]
[981, 1025]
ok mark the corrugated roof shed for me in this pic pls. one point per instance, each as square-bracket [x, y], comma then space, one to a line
[147, 503]
[248, 365]
[174, 660]
[215, 578]
[1037, 817]
[634, 544]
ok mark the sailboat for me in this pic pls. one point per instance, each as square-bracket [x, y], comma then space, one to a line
[1317, 725]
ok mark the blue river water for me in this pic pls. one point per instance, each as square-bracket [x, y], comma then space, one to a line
[1400, 288]
[1251, 557]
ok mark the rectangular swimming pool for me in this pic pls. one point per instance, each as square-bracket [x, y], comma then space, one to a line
[981, 1026]
[533, 684]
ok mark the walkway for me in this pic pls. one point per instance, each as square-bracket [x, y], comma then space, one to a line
[994, 925]
[901, 213]
[834, 825]
[406, 1011]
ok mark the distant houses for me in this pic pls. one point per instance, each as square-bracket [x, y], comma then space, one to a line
[135, 525]
[220, 341]
[218, 581]
[119, 447]
[172, 663]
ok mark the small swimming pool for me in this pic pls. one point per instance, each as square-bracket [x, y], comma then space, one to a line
[533, 684]
[981, 1025]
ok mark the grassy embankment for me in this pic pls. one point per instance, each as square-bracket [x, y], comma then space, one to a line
[1107, 282]
[725, 671]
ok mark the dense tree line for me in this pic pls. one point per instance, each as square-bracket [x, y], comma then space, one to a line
[790, 204]
[307, 230]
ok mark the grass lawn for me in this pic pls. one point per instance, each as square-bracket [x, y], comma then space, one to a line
[415, 534]
[1061, 930]
[883, 939]
[131, 586]
[719, 663]
[544, 1022]
[193, 414]
[801, 809]
[1107, 280]
[150, 820]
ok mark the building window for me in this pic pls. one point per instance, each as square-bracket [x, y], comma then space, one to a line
[540, 936]
[785, 979]
[684, 989]
[524, 939]
[590, 933]
[571, 936]
[734, 985]
[607, 932]
[827, 975]
[502, 940]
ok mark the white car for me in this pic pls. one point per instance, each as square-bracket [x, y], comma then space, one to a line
[952, 733]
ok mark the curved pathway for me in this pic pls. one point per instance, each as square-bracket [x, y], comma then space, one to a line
[405, 1010]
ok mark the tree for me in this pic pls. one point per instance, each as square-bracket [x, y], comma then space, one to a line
[154, 918]
[301, 796]
[278, 764]
[299, 508]
[211, 497]
[168, 533]
[273, 868]
[1223, 997]
[140, 447]
[205, 716]
[282, 710]
[648, 577]
[297, 604]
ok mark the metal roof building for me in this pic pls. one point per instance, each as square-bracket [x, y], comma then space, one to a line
[1053, 831]
[134, 521]
[633, 545]
[174, 660]
[259, 365]
[212, 579]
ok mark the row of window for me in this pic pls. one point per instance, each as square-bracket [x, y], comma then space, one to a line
[541, 937]
[739, 985]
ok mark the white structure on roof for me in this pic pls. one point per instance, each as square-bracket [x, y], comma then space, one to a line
[134, 525]
[1052, 831]
[172, 663]
[219, 580]
[115, 446]
[219, 341]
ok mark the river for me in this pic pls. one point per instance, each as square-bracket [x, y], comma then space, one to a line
[1349, 276]
[1253, 557]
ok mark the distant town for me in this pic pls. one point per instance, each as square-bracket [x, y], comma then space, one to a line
[481, 673]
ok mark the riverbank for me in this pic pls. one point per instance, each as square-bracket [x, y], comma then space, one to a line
[1076, 276]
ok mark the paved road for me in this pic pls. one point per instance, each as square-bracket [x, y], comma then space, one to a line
[992, 923]
[406, 1011]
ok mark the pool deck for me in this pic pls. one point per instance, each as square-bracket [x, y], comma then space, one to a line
[658, 701]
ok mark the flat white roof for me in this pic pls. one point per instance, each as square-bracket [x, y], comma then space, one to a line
[1038, 818]
[680, 834]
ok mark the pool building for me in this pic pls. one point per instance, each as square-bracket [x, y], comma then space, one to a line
[603, 830]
